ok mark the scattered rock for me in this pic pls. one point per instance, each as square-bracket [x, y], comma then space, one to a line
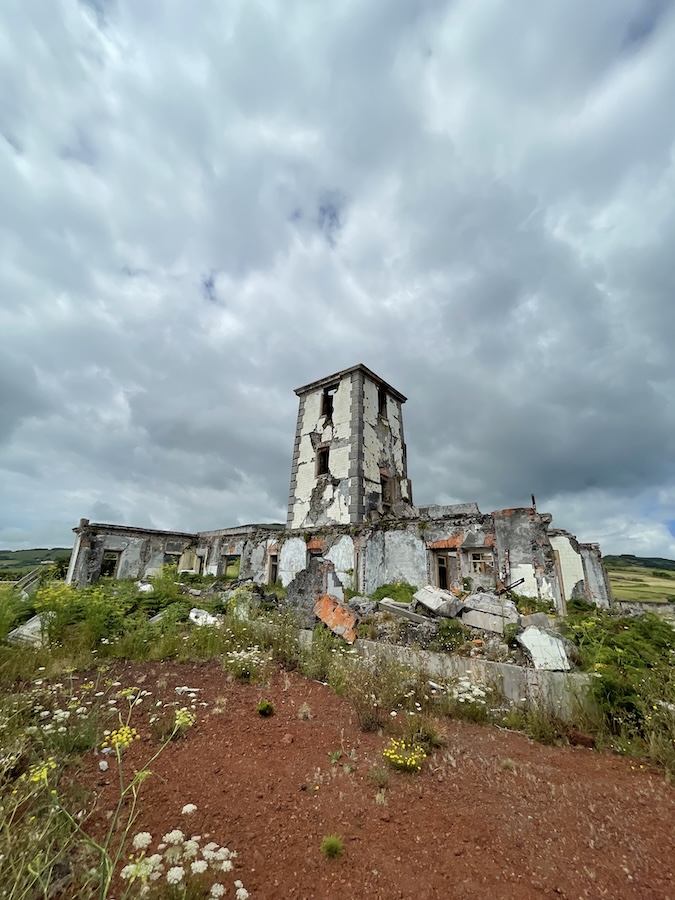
[402, 609]
[28, 633]
[103, 765]
[202, 617]
[362, 606]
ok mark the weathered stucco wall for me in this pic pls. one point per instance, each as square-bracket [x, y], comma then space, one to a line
[571, 565]
[322, 499]
[598, 590]
[524, 551]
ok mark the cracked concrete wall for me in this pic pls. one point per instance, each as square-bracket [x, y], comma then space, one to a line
[141, 551]
[384, 451]
[322, 499]
[598, 590]
[524, 551]
[571, 565]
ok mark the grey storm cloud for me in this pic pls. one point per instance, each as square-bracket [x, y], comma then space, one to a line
[201, 212]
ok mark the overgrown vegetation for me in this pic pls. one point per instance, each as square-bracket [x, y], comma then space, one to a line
[400, 592]
[630, 661]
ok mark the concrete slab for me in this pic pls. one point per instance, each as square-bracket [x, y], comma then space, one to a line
[440, 602]
[547, 650]
[28, 633]
[402, 610]
[475, 618]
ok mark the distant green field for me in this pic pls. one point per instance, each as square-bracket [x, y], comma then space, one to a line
[19, 562]
[632, 578]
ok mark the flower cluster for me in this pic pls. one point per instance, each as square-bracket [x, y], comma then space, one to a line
[181, 861]
[40, 771]
[184, 719]
[121, 738]
[246, 664]
[404, 756]
[466, 692]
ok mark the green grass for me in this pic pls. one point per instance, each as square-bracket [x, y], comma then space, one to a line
[15, 563]
[632, 581]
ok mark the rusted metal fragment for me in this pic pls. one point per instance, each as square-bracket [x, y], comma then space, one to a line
[338, 617]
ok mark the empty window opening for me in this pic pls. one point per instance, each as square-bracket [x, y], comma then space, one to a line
[327, 403]
[229, 565]
[382, 402]
[273, 568]
[172, 559]
[385, 487]
[110, 563]
[322, 461]
[481, 563]
[442, 570]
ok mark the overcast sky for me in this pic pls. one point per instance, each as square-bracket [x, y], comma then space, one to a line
[204, 205]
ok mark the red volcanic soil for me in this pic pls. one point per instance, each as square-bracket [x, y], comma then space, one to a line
[556, 822]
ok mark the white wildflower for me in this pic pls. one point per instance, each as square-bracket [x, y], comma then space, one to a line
[190, 849]
[142, 840]
[174, 837]
[199, 866]
[217, 890]
[175, 875]
[226, 866]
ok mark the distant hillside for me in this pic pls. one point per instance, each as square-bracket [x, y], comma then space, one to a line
[644, 562]
[21, 561]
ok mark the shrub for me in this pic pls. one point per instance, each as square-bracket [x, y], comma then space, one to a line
[265, 708]
[304, 712]
[400, 592]
[424, 731]
[333, 846]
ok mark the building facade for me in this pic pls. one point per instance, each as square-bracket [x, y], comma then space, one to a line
[350, 503]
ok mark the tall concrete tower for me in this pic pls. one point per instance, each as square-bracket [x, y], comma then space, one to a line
[349, 459]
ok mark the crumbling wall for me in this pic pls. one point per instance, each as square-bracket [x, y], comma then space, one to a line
[598, 590]
[524, 551]
[141, 551]
[322, 499]
[571, 569]
[384, 455]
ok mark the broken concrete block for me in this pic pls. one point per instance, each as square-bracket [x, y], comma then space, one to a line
[362, 606]
[28, 633]
[144, 587]
[338, 617]
[476, 618]
[202, 617]
[547, 651]
[401, 609]
[496, 606]
[440, 602]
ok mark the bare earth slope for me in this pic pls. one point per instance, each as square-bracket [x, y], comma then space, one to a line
[561, 823]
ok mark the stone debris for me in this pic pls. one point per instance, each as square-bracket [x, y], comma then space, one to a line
[28, 633]
[362, 606]
[546, 650]
[402, 609]
[539, 619]
[202, 617]
[144, 587]
[489, 612]
[440, 602]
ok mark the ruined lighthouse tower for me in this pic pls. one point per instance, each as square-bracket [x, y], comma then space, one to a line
[349, 458]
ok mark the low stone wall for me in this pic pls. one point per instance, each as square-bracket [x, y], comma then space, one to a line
[563, 694]
[633, 608]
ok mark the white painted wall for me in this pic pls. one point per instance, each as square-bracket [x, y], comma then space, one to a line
[341, 555]
[338, 459]
[292, 559]
[570, 563]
